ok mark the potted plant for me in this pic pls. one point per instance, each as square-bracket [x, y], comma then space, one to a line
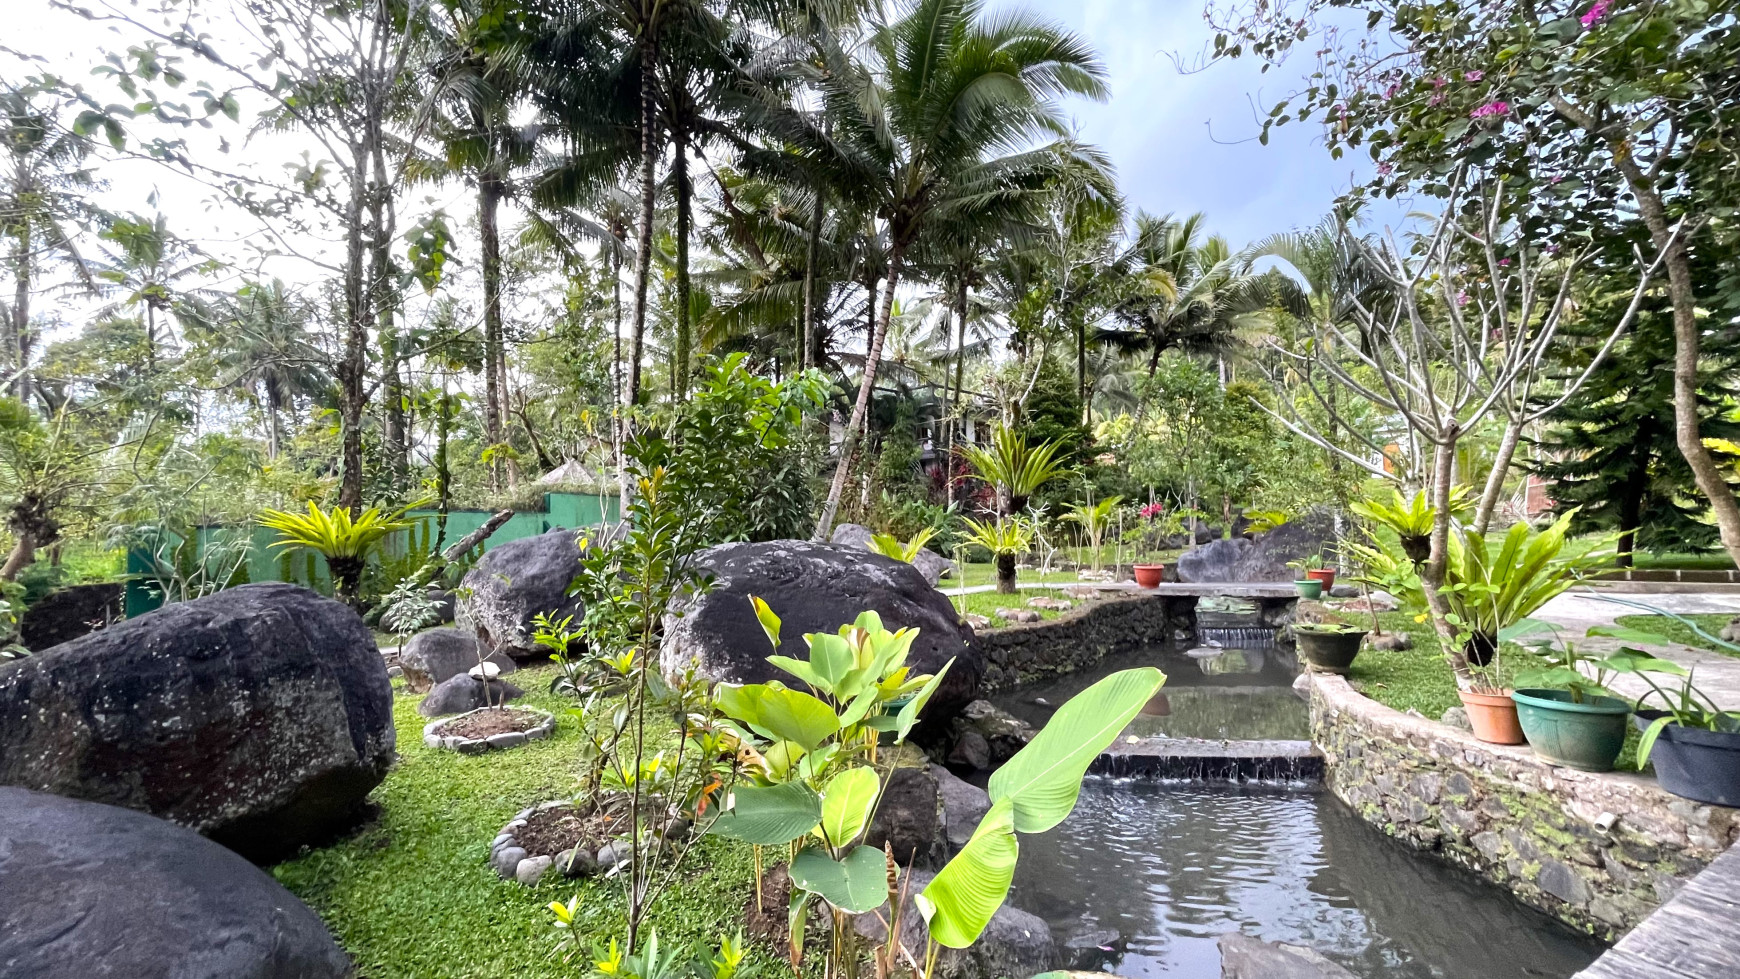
[1157, 528]
[1490, 706]
[1314, 568]
[1303, 582]
[1694, 745]
[1309, 588]
[1328, 646]
[1566, 710]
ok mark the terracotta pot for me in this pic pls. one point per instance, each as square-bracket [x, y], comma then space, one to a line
[1325, 575]
[1148, 575]
[1493, 717]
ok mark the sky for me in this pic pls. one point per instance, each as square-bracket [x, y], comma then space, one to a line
[1182, 141]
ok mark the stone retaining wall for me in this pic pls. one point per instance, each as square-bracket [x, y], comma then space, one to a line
[1508, 816]
[1079, 638]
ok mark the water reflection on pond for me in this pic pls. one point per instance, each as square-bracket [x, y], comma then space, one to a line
[1171, 867]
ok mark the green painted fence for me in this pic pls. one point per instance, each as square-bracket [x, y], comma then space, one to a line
[400, 554]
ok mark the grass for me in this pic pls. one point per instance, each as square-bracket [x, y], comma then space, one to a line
[1715, 561]
[1671, 628]
[987, 603]
[411, 895]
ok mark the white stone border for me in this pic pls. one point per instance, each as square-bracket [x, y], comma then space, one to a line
[433, 737]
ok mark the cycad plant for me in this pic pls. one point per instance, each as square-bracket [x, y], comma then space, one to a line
[1015, 469]
[1007, 538]
[888, 545]
[1410, 519]
[344, 541]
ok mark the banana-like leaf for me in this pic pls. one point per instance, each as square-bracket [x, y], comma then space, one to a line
[960, 900]
[800, 669]
[847, 804]
[780, 712]
[857, 884]
[830, 658]
[1043, 780]
[909, 714]
[769, 815]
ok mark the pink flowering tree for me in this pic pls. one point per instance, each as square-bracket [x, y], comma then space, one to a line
[1609, 120]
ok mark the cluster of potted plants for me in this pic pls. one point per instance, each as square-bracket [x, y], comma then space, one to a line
[1569, 715]
[1315, 579]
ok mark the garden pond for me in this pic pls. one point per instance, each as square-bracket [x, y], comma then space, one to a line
[1171, 866]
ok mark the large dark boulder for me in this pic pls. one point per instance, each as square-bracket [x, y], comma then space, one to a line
[64, 615]
[458, 694]
[260, 716]
[909, 819]
[514, 582]
[816, 588]
[435, 655]
[89, 891]
[1263, 557]
[929, 563]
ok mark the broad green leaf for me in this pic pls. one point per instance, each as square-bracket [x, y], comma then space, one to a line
[796, 716]
[769, 621]
[909, 714]
[1526, 627]
[1628, 660]
[859, 707]
[830, 657]
[857, 884]
[960, 900]
[798, 668]
[1043, 780]
[1624, 634]
[769, 815]
[847, 804]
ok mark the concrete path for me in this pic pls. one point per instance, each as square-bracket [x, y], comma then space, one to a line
[1578, 610]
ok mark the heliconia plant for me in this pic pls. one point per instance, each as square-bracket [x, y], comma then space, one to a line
[811, 781]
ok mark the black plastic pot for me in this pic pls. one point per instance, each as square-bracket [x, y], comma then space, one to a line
[1703, 766]
[1331, 652]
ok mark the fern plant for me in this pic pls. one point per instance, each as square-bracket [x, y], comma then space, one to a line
[345, 542]
[1015, 469]
[1006, 538]
[1411, 519]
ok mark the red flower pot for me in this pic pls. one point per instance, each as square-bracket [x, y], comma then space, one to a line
[1325, 575]
[1148, 575]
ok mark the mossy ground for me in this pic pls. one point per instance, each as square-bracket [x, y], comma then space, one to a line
[411, 895]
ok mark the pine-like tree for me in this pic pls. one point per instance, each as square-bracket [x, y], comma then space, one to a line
[1610, 449]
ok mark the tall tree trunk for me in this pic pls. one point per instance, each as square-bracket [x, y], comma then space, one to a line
[812, 256]
[685, 328]
[861, 407]
[1631, 509]
[619, 418]
[956, 422]
[1081, 369]
[353, 363]
[648, 191]
[1500, 469]
[382, 293]
[489, 193]
[1437, 564]
[274, 433]
[15, 350]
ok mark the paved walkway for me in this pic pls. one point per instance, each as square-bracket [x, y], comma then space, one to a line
[1578, 610]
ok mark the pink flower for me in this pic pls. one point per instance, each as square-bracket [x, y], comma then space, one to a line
[1390, 93]
[1473, 76]
[1462, 299]
[1497, 107]
[1152, 510]
[1439, 82]
[1503, 262]
[1385, 168]
[1595, 13]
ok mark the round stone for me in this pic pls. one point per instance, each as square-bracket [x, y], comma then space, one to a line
[531, 869]
[577, 862]
[506, 739]
[468, 746]
[507, 860]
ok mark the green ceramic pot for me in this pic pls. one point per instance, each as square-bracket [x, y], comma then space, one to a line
[1329, 652]
[1309, 588]
[1586, 736]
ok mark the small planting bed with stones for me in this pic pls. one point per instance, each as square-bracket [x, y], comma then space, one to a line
[475, 732]
[572, 839]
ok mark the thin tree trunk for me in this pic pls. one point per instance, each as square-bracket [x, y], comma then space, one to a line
[22, 556]
[353, 363]
[1438, 561]
[1631, 510]
[488, 208]
[619, 418]
[648, 190]
[19, 325]
[685, 328]
[955, 419]
[1495, 479]
[861, 407]
[812, 255]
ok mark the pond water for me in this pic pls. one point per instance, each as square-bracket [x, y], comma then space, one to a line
[1209, 693]
[1171, 867]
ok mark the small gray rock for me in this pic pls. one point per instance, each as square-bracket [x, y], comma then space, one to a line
[578, 862]
[395, 671]
[497, 843]
[507, 860]
[432, 740]
[1244, 957]
[458, 694]
[971, 750]
[1344, 591]
[1456, 717]
[530, 870]
[471, 747]
[1389, 641]
[611, 854]
[506, 739]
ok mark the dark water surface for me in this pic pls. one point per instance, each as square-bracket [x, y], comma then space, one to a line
[1171, 867]
[1209, 693]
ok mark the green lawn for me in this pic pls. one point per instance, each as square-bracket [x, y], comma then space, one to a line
[1670, 628]
[411, 896]
[1716, 561]
[987, 603]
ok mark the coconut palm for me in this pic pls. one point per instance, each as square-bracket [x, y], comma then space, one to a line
[920, 132]
[262, 346]
[44, 190]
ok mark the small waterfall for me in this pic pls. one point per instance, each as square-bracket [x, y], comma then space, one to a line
[1236, 637]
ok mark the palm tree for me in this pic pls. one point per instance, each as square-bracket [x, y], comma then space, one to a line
[919, 134]
[43, 196]
[145, 265]
[263, 347]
